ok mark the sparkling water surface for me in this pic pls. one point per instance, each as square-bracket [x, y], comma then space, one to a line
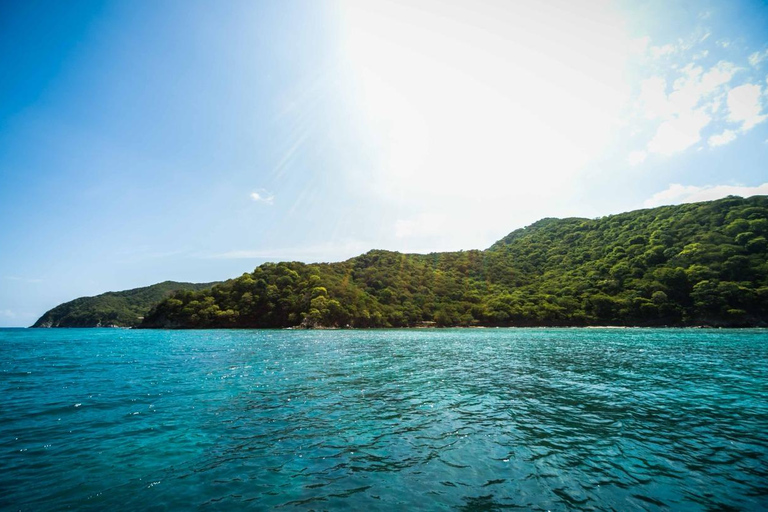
[468, 419]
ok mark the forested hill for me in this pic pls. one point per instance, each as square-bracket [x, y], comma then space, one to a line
[113, 309]
[692, 264]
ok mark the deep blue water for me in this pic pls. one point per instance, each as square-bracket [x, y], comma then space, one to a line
[481, 419]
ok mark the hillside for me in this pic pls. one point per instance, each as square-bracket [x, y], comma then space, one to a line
[118, 309]
[691, 264]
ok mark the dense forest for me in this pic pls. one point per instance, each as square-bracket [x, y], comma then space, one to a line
[112, 309]
[692, 264]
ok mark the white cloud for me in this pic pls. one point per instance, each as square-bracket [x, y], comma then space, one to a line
[719, 74]
[679, 133]
[7, 313]
[758, 57]
[722, 139]
[687, 109]
[636, 157]
[745, 105]
[696, 88]
[677, 193]
[263, 196]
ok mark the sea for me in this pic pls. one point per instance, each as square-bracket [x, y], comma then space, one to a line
[419, 419]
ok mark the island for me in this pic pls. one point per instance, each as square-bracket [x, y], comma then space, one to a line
[698, 264]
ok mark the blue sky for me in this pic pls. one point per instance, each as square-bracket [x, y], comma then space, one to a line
[193, 140]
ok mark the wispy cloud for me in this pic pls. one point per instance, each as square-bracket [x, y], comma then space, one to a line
[7, 313]
[664, 50]
[756, 58]
[330, 251]
[263, 196]
[22, 279]
[701, 55]
[677, 193]
[141, 253]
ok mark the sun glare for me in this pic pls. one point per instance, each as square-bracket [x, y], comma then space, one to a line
[509, 99]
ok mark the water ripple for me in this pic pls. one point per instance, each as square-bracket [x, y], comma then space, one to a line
[531, 419]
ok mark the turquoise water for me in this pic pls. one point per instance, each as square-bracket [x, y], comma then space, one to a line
[481, 419]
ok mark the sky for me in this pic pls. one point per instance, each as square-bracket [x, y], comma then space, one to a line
[194, 140]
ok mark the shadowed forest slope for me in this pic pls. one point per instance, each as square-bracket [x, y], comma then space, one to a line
[112, 309]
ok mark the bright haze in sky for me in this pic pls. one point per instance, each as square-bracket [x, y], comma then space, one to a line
[192, 140]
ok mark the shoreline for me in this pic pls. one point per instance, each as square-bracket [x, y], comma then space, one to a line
[322, 328]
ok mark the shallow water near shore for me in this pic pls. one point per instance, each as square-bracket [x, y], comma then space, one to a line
[470, 419]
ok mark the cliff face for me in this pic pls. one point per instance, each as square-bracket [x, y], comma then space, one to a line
[112, 309]
[691, 264]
